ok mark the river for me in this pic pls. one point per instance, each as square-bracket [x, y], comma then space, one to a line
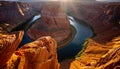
[83, 31]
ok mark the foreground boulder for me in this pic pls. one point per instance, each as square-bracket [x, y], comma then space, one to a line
[8, 45]
[53, 23]
[40, 54]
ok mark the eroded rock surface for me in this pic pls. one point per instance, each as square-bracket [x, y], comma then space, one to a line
[39, 54]
[8, 45]
[99, 56]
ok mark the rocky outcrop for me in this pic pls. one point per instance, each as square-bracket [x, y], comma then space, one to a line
[8, 45]
[15, 13]
[99, 56]
[39, 54]
[53, 23]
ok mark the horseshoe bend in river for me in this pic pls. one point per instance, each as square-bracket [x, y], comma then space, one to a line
[79, 33]
[69, 41]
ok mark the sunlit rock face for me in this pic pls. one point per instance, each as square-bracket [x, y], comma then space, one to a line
[99, 56]
[39, 54]
[54, 23]
[15, 12]
[8, 45]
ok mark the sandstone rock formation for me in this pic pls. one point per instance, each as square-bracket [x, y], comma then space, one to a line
[39, 54]
[53, 23]
[99, 56]
[8, 45]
